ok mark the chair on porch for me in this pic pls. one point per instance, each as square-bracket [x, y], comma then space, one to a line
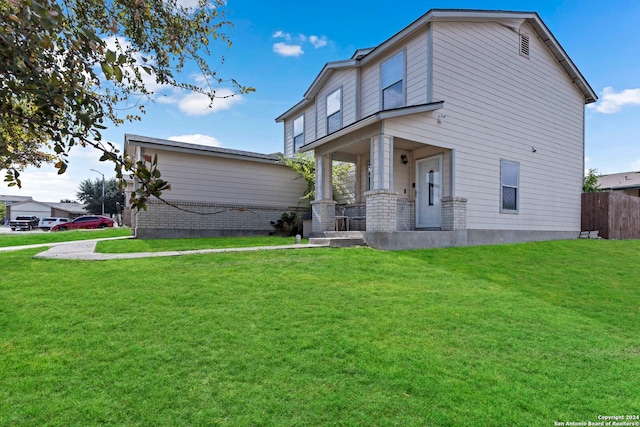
[359, 213]
[341, 217]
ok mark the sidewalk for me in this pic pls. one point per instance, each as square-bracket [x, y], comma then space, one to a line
[85, 250]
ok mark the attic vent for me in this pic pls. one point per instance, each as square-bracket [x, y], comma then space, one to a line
[524, 45]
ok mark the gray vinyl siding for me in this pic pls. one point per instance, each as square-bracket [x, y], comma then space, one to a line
[370, 81]
[416, 71]
[415, 75]
[348, 188]
[345, 79]
[288, 136]
[210, 179]
[310, 133]
[498, 104]
[309, 129]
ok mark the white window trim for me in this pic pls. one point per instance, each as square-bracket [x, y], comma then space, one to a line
[403, 52]
[298, 134]
[336, 112]
[517, 187]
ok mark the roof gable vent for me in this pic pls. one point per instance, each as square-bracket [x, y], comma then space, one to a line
[524, 45]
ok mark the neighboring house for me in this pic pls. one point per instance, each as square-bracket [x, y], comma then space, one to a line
[43, 209]
[67, 210]
[466, 127]
[626, 182]
[214, 191]
[9, 200]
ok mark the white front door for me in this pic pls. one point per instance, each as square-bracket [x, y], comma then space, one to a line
[429, 192]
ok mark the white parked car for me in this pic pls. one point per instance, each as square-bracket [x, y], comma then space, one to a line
[47, 223]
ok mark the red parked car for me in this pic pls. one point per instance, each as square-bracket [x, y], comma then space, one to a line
[89, 221]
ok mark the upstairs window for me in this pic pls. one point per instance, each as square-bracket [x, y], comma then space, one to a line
[510, 178]
[392, 80]
[334, 111]
[298, 133]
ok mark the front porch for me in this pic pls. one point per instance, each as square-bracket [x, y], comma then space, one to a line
[399, 185]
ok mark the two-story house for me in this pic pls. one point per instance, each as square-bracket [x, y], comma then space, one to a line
[466, 127]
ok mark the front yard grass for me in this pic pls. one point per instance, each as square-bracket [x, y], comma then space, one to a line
[163, 245]
[520, 335]
[19, 238]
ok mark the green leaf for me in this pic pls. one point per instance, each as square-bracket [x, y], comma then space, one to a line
[117, 71]
[107, 70]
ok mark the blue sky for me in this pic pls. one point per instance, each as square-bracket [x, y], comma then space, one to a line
[280, 46]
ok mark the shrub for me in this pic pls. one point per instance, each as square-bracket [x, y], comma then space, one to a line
[289, 224]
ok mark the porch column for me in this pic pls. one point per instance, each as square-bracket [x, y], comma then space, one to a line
[453, 208]
[454, 213]
[323, 207]
[382, 200]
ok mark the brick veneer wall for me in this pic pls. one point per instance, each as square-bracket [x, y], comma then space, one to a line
[454, 213]
[198, 219]
[382, 210]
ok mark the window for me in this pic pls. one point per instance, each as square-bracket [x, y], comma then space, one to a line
[432, 185]
[510, 177]
[334, 111]
[298, 133]
[392, 75]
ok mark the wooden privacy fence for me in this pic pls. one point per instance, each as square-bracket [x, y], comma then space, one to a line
[614, 215]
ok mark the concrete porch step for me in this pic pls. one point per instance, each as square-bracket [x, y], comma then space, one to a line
[350, 234]
[339, 239]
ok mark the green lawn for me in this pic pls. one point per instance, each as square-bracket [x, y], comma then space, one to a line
[17, 238]
[520, 335]
[160, 245]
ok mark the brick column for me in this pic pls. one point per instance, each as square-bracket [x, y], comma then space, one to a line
[323, 216]
[382, 206]
[454, 213]
[382, 201]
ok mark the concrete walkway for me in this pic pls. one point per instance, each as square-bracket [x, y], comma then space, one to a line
[85, 250]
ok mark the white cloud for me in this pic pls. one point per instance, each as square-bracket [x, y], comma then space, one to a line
[284, 49]
[612, 102]
[193, 4]
[293, 45]
[318, 42]
[197, 104]
[168, 99]
[197, 139]
[281, 35]
[190, 4]
[46, 186]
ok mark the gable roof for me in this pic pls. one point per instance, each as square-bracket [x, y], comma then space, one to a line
[509, 18]
[10, 199]
[372, 119]
[184, 147]
[74, 208]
